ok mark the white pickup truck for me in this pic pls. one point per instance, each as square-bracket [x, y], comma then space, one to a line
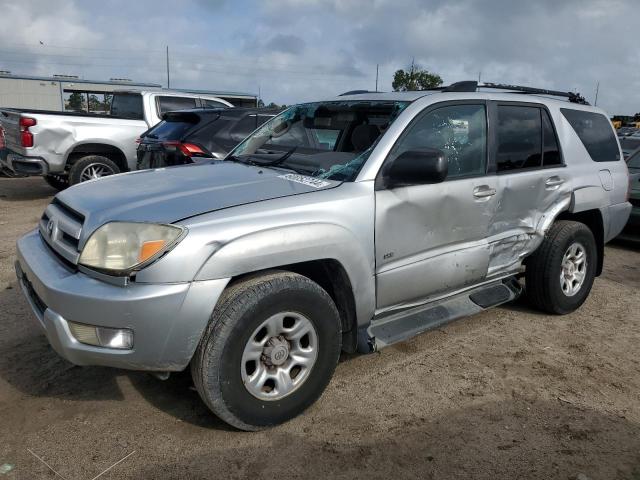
[70, 147]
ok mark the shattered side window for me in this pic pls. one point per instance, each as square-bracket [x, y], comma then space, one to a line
[459, 131]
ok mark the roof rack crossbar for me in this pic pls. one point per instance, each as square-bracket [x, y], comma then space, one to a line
[573, 97]
[473, 86]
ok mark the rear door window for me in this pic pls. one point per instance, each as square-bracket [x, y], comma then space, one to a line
[519, 137]
[595, 132]
[127, 105]
[551, 150]
[169, 104]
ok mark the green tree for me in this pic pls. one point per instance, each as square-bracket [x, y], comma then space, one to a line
[75, 102]
[415, 79]
[94, 103]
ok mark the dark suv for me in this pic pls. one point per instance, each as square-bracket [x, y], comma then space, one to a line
[186, 135]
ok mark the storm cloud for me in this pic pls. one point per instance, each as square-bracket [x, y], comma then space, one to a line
[297, 50]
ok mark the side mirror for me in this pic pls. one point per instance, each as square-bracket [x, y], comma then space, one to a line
[417, 167]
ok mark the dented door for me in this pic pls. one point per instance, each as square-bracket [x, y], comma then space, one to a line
[432, 239]
[531, 180]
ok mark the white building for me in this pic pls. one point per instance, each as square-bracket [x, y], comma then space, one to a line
[68, 93]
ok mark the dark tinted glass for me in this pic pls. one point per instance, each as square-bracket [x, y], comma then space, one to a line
[169, 104]
[245, 126]
[127, 105]
[212, 104]
[169, 130]
[629, 145]
[519, 138]
[551, 148]
[595, 132]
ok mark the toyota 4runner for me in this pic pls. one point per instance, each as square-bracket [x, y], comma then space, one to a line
[348, 224]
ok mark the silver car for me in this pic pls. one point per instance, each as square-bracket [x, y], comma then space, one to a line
[347, 224]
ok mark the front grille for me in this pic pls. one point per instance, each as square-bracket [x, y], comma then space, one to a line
[60, 227]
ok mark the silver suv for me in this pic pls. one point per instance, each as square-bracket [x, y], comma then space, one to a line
[348, 224]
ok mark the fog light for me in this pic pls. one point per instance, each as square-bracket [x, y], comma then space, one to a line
[121, 338]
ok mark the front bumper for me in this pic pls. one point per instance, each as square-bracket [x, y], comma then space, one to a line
[167, 319]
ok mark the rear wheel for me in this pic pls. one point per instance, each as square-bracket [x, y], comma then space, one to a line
[269, 351]
[59, 182]
[560, 274]
[90, 168]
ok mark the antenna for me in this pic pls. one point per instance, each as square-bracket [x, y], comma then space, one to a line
[168, 79]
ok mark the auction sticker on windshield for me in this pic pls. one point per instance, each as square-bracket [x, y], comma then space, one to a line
[310, 181]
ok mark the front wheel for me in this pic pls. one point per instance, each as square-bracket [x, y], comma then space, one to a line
[560, 274]
[269, 351]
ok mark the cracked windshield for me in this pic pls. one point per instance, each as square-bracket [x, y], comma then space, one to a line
[329, 140]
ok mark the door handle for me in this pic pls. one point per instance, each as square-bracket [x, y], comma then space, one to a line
[484, 191]
[553, 182]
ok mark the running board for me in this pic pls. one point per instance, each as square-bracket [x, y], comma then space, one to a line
[396, 327]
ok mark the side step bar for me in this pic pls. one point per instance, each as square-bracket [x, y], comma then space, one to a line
[399, 326]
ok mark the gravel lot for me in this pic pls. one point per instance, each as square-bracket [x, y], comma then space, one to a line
[509, 393]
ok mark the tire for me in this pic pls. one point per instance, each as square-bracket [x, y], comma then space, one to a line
[549, 283]
[219, 370]
[59, 182]
[82, 169]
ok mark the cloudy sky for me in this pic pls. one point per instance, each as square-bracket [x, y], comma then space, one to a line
[298, 50]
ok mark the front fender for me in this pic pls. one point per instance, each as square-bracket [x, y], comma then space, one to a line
[285, 245]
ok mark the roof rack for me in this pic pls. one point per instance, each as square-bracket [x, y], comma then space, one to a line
[473, 86]
[356, 92]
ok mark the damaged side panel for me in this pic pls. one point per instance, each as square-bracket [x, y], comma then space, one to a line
[430, 239]
[526, 204]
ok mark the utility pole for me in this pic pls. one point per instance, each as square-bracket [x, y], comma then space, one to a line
[168, 79]
[411, 84]
[479, 76]
[377, 65]
[595, 104]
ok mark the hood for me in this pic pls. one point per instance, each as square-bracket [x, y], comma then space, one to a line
[166, 195]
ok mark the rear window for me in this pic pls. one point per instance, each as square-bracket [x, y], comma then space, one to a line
[170, 130]
[595, 132]
[206, 103]
[169, 104]
[127, 105]
[248, 124]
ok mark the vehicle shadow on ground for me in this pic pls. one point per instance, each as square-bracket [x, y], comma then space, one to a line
[29, 364]
[21, 189]
[515, 438]
[177, 397]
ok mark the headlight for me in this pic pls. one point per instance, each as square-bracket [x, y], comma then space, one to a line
[120, 247]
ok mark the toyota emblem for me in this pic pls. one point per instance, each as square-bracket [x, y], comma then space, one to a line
[50, 227]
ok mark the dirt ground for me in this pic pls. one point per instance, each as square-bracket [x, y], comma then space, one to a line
[506, 394]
